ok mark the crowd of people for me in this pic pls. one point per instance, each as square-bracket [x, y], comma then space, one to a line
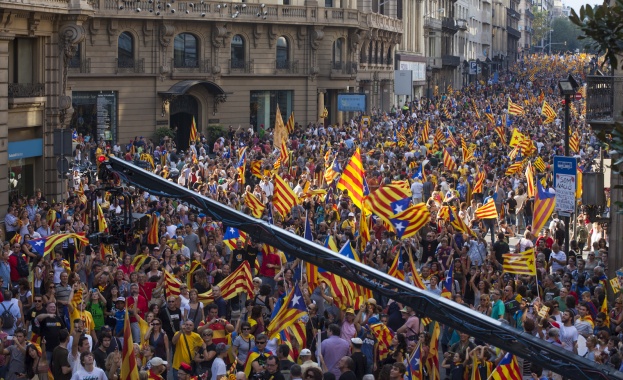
[63, 314]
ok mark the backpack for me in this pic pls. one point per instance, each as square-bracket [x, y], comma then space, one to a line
[8, 319]
[22, 266]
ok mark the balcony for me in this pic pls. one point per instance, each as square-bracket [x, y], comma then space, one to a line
[513, 13]
[528, 13]
[434, 63]
[129, 66]
[286, 67]
[486, 1]
[343, 70]
[240, 67]
[451, 60]
[190, 66]
[256, 13]
[449, 25]
[432, 23]
[513, 33]
[80, 66]
[26, 90]
[601, 108]
[462, 24]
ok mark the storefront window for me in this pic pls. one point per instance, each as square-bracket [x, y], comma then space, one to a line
[264, 107]
[21, 179]
[95, 114]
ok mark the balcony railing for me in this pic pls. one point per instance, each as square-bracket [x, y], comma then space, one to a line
[190, 66]
[287, 67]
[130, 65]
[81, 66]
[513, 13]
[513, 32]
[432, 23]
[341, 67]
[26, 90]
[449, 24]
[529, 13]
[601, 108]
[240, 66]
[451, 60]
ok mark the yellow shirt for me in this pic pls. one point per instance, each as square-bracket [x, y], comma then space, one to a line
[86, 317]
[183, 352]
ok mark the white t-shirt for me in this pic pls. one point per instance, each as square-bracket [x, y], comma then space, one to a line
[83, 374]
[218, 368]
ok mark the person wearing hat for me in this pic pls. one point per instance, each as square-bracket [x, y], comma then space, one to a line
[219, 368]
[411, 328]
[306, 361]
[157, 368]
[184, 372]
[359, 359]
[348, 330]
[349, 224]
[119, 316]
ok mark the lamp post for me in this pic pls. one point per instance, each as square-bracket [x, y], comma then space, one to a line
[429, 74]
[477, 70]
[567, 88]
[465, 72]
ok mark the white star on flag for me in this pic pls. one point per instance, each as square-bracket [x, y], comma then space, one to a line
[38, 243]
[399, 226]
[398, 209]
[232, 230]
[295, 300]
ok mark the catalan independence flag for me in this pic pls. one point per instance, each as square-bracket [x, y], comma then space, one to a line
[408, 222]
[389, 200]
[487, 211]
[397, 268]
[507, 369]
[292, 309]
[448, 161]
[415, 371]
[548, 111]
[531, 190]
[352, 179]
[544, 204]
[520, 263]
[44, 246]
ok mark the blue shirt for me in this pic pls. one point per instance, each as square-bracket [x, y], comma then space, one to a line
[120, 318]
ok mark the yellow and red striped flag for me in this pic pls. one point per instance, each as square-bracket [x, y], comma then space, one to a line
[531, 190]
[515, 109]
[384, 337]
[475, 108]
[408, 222]
[426, 132]
[102, 226]
[388, 200]
[574, 141]
[152, 234]
[254, 204]
[171, 284]
[332, 171]
[520, 263]
[292, 309]
[193, 132]
[129, 366]
[53, 240]
[487, 211]
[548, 111]
[256, 168]
[539, 164]
[397, 268]
[284, 153]
[544, 204]
[432, 359]
[352, 179]
[499, 130]
[448, 161]
[283, 198]
[479, 182]
[290, 124]
[237, 282]
[468, 155]
[507, 369]
[515, 167]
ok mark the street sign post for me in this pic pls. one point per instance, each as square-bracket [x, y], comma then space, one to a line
[565, 173]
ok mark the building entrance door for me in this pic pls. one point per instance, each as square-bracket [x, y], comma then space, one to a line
[183, 109]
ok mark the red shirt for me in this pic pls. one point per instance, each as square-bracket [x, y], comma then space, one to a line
[271, 258]
[146, 289]
[13, 264]
[142, 307]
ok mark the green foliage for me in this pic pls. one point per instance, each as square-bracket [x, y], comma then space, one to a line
[603, 24]
[213, 132]
[540, 25]
[565, 33]
[162, 132]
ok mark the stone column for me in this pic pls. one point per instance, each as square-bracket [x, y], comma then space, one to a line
[321, 104]
[5, 39]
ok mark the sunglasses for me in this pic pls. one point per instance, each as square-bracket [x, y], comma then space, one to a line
[206, 335]
[260, 342]
[246, 329]
[155, 324]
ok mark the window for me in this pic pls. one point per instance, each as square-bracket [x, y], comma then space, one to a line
[185, 51]
[337, 53]
[76, 61]
[282, 53]
[237, 52]
[328, 3]
[125, 50]
[22, 68]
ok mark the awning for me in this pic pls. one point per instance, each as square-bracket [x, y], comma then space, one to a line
[180, 88]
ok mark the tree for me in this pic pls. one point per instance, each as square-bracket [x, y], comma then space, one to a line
[540, 25]
[565, 32]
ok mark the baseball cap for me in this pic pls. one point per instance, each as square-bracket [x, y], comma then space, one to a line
[350, 310]
[120, 299]
[305, 352]
[351, 214]
[356, 341]
[157, 361]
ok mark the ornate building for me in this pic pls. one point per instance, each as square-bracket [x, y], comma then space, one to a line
[119, 69]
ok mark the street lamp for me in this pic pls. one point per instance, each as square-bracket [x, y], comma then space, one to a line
[568, 87]
[477, 70]
[465, 72]
[429, 75]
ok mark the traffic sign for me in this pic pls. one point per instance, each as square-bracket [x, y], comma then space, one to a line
[565, 177]
[577, 96]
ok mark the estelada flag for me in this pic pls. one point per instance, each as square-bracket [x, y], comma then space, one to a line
[487, 211]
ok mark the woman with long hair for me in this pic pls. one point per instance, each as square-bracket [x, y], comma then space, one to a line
[36, 364]
[193, 310]
[50, 294]
[157, 338]
[243, 344]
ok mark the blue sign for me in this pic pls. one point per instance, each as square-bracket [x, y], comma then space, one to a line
[25, 149]
[351, 102]
[565, 184]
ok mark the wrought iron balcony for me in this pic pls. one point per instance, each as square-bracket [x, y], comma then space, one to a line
[190, 66]
[343, 70]
[529, 13]
[513, 13]
[461, 24]
[512, 32]
[287, 67]
[26, 90]
[451, 60]
[448, 24]
[601, 108]
[240, 66]
[130, 65]
[81, 66]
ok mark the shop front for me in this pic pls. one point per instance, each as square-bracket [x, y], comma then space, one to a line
[25, 168]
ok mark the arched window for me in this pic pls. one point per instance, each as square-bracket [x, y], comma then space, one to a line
[237, 52]
[337, 53]
[185, 51]
[282, 53]
[125, 50]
